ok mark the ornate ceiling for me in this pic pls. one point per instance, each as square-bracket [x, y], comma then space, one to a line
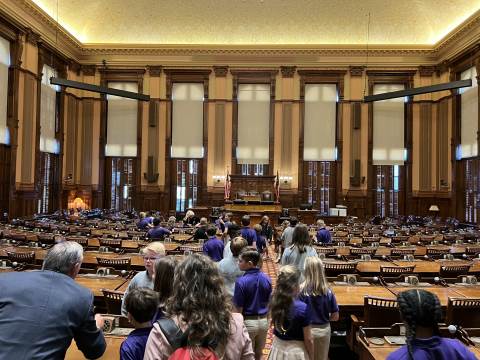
[421, 23]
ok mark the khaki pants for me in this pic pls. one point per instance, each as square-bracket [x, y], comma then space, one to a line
[321, 341]
[257, 329]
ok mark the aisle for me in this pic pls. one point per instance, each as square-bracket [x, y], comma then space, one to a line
[270, 268]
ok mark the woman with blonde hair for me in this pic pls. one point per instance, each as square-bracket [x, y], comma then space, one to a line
[290, 318]
[314, 292]
[150, 253]
[199, 307]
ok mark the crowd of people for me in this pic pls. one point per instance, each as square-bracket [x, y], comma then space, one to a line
[219, 304]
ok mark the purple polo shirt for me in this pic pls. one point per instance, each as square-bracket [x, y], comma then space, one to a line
[298, 318]
[157, 232]
[248, 234]
[252, 292]
[324, 236]
[434, 348]
[143, 224]
[321, 306]
[261, 243]
[133, 348]
[213, 248]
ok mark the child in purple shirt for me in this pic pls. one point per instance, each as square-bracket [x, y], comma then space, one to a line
[323, 306]
[421, 312]
[141, 304]
[213, 247]
[261, 241]
[247, 232]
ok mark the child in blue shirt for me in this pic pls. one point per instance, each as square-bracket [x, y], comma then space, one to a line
[141, 305]
[261, 240]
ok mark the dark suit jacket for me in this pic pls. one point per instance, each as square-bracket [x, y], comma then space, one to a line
[40, 313]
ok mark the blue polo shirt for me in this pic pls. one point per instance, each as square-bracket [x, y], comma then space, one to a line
[434, 348]
[321, 306]
[133, 348]
[213, 248]
[324, 236]
[143, 223]
[157, 232]
[261, 243]
[252, 292]
[248, 234]
[298, 318]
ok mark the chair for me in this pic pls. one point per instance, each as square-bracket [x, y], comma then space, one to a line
[463, 312]
[370, 239]
[328, 251]
[362, 251]
[472, 250]
[18, 237]
[192, 249]
[427, 238]
[47, 239]
[21, 257]
[402, 252]
[453, 271]
[112, 243]
[337, 268]
[437, 253]
[400, 238]
[81, 240]
[267, 196]
[116, 263]
[113, 301]
[390, 271]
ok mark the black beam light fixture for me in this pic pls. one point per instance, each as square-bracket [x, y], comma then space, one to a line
[419, 90]
[98, 89]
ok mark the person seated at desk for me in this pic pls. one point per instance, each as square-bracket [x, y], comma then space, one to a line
[157, 232]
[190, 219]
[323, 234]
[152, 252]
[141, 305]
[145, 222]
[421, 312]
[201, 231]
[171, 223]
[41, 311]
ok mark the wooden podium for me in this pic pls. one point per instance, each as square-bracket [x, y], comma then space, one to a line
[251, 186]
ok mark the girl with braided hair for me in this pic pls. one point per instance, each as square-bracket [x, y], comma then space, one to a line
[421, 313]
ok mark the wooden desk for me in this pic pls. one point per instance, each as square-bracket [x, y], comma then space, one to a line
[112, 351]
[376, 352]
[467, 291]
[96, 284]
[443, 293]
[433, 267]
[371, 267]
[352, 296]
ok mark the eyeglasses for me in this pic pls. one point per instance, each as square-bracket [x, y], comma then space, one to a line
[151, 258]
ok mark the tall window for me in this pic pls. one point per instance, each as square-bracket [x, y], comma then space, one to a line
[49, 185]
[187, 187]
[253, 128]
[471, 190]
[4, 65]
[49, 144]
[387, 190]
[318, 184]
[122, 183]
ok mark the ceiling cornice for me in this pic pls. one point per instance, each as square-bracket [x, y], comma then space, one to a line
[28, 14]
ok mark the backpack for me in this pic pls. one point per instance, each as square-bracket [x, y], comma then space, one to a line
[178, 341]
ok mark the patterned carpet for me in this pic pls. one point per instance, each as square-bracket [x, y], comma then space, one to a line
[270, 267]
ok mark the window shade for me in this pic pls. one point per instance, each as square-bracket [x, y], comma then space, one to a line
[48, 101]
[122, 122]
[388, 127]
[469, 115]
[253, 123]
[187, 120]
[319, 122]
[4, 64]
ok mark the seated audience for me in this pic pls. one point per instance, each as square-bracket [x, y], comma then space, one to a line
[228, 266]
[261, 240]
[151, 253]
[421, 312]
[164, 269]
[199, 303]
[171, 223]
[189, 219]
[247, 232]
[41, 311]
[251, 297]
[301, 249]
[157, 232]
[145, 222]
[201, 231]
[322, 303]
[213, 247]
[291, 319]
[141, 305]
[323, 234]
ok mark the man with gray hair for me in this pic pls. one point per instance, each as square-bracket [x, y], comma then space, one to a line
[41, 311]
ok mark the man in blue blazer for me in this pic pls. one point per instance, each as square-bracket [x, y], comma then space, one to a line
[41, 311]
